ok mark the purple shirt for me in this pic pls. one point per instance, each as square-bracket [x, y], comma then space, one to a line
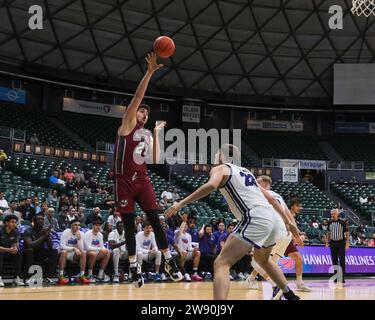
[217, 235]
[207, 244]
[194, 234]
[223, 238]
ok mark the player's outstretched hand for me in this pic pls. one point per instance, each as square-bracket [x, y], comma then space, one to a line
[152, 63]
[159, 126]
[171, 211]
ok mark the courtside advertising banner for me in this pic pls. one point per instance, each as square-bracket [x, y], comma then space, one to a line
[290, 174]
[317, 259]
[94, 108]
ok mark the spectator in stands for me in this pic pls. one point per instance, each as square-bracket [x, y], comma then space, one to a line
[371, 242]
[72, 214]
[193, 231]
[94, 215]
[34, 140]
[107, 229]
[187, 252]
[371, 198]
[147, 249]
[164, 203]
[74, 202]
[28, 212]
[87, 175]
[167, 193]
[78, 176]
[70, 187]
[324, 225]
[68, 175]
[101, 190]
[207, 247]
[175, 195]
[9, 251]
[213, 224]
[3, 158]
[13, 211]
[138, 224]
[363, 199]
[360, 229]
[63, 220]
[3, 202]
[116, 240]
[43, 208]
[39, 247]
[21, 205]
[114, 218]
[314, 223]
[53, 198]
[81, 214]
[217, 234]
[50, 221]
[85, 191]
[96, 251]
[72, 249]
[35, 205]
[64, 203]
[193, 215]
[93, 185]
[56, 182]
[110, 204]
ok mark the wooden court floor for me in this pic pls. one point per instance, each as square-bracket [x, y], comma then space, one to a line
[355, 289]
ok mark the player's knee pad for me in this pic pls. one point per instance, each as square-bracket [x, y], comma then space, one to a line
[153, 218]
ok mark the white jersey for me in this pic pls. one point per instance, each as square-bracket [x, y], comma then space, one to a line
[145, 243]
[93, 242]
[283, 204]
[69, 241]
[241, 192]
[117, 238]
[183, 240]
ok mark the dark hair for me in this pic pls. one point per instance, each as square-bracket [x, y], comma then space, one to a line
[74, 221]
[146, 224]
[118, 222]
[145, 106]
[12, 201]
[10, 217]
[97, 221]
[293, 202]
[207, 226]
[230, 225]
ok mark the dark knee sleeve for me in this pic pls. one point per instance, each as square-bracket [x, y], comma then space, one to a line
[129, 226]
[161, 239]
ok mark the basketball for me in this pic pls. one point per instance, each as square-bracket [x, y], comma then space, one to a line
[164, 47]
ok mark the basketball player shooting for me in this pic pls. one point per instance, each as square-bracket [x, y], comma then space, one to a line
[131, 181]
[258, 228]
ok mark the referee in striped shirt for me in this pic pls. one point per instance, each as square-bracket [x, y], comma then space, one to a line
[338, 241]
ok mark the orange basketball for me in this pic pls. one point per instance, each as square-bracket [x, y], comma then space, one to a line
[164, 47]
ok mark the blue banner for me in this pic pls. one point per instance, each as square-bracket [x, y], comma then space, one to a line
[13, 95]
[351, 127]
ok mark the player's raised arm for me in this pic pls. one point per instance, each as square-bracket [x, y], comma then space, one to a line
[217, 176]
[129, 119]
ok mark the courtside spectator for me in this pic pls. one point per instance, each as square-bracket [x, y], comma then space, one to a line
[39, 248]
[50, 221]
[193, 231]
[3, 202]
[34, 140]
[207, 247]
[72, 249]
[187, 252]
[96, 251]
[214, 224]
[9, 251]
[116, 240]
[324, 225]
[147, 249]
[28, 212]
[63, 220]
[94, 215]
[371, 242]
[72, 214]
[3, 158]
[13, 211]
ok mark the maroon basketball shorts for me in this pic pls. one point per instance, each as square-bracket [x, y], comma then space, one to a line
[290, 249]
[129, 191]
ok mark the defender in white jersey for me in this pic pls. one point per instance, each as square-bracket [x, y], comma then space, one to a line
[258, 228]
[282, 240]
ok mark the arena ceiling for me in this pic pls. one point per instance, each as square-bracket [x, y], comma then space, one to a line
[256, 47]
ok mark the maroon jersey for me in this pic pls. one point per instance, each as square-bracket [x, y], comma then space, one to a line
[130, 153]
